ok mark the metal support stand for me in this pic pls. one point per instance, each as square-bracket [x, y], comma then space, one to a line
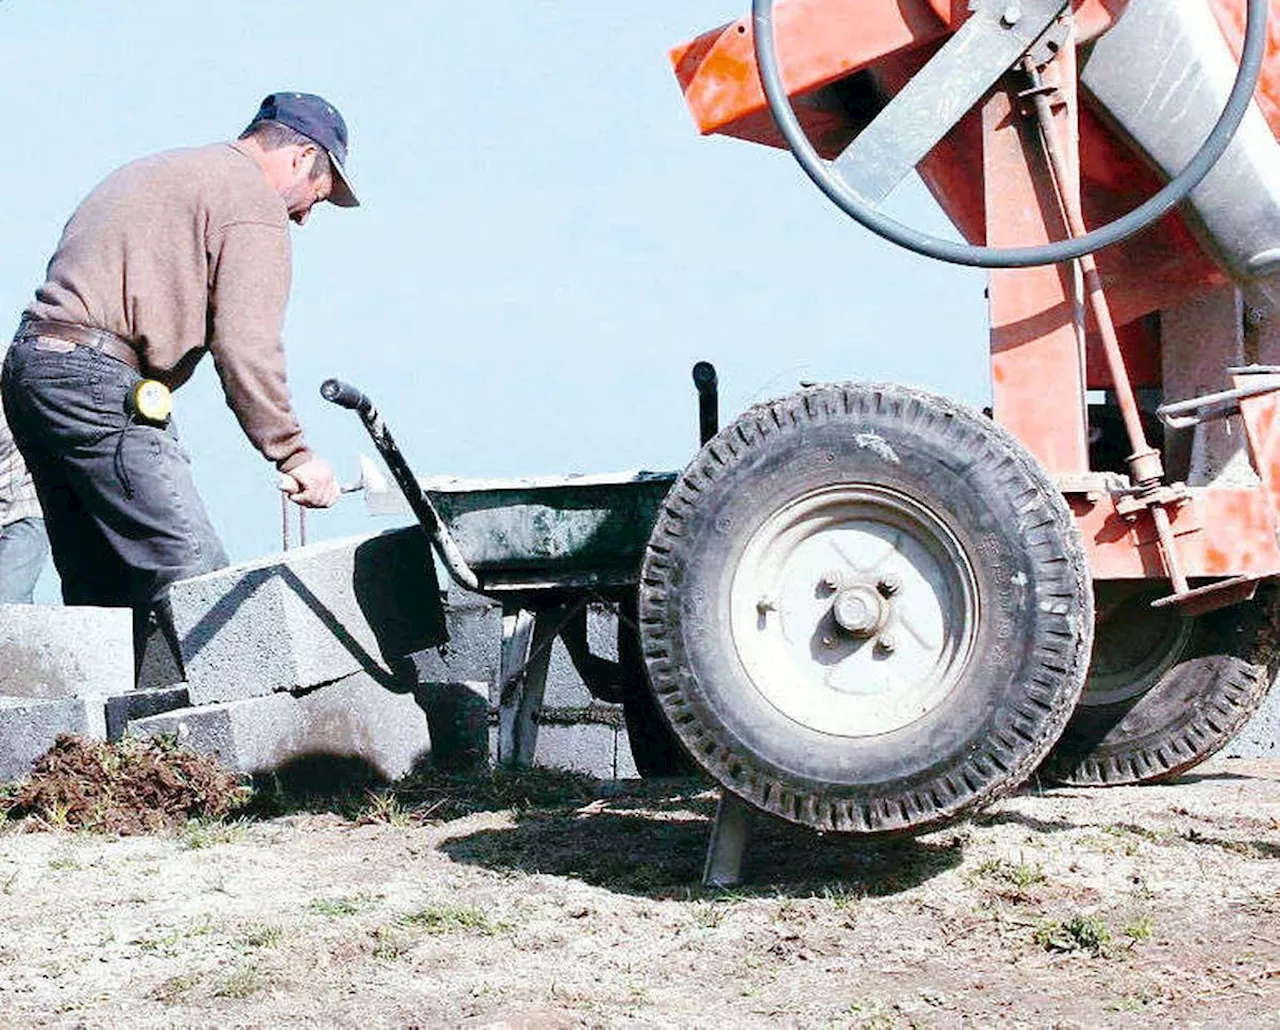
[526, 652]
[729, 837]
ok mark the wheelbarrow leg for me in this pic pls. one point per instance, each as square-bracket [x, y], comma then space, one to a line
[729, 837]
[526, 652]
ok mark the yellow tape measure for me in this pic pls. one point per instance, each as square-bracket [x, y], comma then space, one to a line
[152, 401]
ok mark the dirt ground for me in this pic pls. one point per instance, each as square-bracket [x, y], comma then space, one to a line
[578, 906]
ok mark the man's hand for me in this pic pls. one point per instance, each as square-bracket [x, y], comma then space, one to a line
[311, 484]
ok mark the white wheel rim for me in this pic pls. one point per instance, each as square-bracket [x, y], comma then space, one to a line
[874, 549]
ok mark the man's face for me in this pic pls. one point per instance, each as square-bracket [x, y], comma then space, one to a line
[303, 192]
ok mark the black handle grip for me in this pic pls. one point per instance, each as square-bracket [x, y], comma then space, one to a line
[704, 376]
[707, 383]
[344, 395]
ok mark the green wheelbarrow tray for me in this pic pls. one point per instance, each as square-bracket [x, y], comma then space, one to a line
[539, 533]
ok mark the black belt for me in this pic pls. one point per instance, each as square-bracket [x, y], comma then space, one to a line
[82, 336]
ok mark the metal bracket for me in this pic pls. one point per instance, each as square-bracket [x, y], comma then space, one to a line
[1221, 594]
[1224, 403]
[989, 43]
[728, 845]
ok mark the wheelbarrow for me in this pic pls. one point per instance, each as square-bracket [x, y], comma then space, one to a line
[546, 549]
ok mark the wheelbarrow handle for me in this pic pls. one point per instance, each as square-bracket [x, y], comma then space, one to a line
[344, 395]
[347, 396]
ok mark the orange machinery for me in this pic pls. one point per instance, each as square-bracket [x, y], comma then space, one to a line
[1142, 383]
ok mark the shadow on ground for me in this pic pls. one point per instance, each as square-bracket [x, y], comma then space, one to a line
[656, 848]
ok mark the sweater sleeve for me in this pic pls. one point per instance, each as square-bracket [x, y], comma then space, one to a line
[248, 289]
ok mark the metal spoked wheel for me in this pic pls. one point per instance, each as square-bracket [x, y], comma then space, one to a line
[865, 609]
[1164, 691]
[854, 610]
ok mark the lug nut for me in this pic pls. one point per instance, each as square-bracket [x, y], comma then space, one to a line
[832, 580]
[828, 643]
[1011, 16]
[887, 643]
[766, 605]
[890, 583]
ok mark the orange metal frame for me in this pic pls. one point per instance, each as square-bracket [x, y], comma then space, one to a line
[989, 177]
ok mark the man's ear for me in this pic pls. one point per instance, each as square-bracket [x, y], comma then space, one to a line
[303, 157]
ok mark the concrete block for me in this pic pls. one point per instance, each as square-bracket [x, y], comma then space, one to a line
[159, 666]
[29, 727]
[458, 723]
[352, 730]
[473, 625]
[590, 748]
[565, 688]
[625, 764]
[56, 652]
[309, 617]
[1260, 737]
[138, 704]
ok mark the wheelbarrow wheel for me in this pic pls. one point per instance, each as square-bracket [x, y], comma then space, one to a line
[866, 609]
[655, 750]
[1164, 691]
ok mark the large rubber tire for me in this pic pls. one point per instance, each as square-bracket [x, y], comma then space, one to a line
[656, 751]
[990, 603]
[1165, 692]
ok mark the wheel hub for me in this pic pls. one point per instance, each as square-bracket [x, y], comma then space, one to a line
[854, 610]
[860, 611]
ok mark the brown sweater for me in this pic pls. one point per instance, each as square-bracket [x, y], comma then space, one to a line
[180, 253]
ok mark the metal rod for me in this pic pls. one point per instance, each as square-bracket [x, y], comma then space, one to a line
[1168, 548]
[347, 396]
[1144, 461]
[707, 384]
[284, 521]
[1145, 466]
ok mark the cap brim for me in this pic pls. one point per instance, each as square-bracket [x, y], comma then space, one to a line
[342, 195]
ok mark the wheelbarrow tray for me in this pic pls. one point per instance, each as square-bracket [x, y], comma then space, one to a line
[541, 532]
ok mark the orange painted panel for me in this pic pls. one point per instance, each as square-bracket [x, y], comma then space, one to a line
[1218, 533]
[1035, 312]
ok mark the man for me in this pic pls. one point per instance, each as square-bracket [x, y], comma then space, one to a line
[170, 257]
[24, 544]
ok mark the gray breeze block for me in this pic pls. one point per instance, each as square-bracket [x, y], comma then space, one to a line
[29, 727]
[138, 704]
[57, 652]
[309, 617]
[356, 725]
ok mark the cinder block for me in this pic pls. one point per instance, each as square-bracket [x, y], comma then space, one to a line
[139, 704]
[565, 688]
[159, 666]
[28, 728]
[1260, 737]
[590, 748]
[473, 624]
[458, 723]
[57, 652]
[309, 617]
[355, 729]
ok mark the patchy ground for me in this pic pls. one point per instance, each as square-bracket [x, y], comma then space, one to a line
[578, 906]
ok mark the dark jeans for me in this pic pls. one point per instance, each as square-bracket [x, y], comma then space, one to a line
[24, 545]
[124, 518]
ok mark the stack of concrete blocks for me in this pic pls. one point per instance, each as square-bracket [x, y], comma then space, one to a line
[576, 732]
[344, 660]
[59, 667]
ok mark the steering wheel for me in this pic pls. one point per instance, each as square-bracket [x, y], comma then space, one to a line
[990, 42]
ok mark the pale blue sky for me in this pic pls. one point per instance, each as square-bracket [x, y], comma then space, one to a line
[545, 244]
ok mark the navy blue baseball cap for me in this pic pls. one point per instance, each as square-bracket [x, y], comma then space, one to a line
[317, 119]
